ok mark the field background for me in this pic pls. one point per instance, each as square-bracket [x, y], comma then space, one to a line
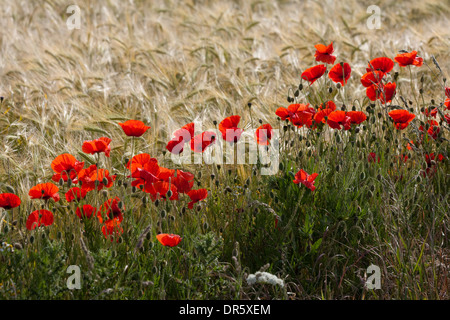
[168, 63]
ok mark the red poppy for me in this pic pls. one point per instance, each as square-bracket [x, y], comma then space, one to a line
[404, 158]
[433, 130]
[306, 179]
[313, 73]
[169, 240]
[303, 117]
[401, 118]
[9, 201]
[447, 103]
[92, 175]
[75, 193]
[291, 110]
[323, 111]
[65, 166]
[431, 164]
[384, 92]
[97, 146]
[230, 131]
[112, 229]
[372, 157]
[38, 218]
[196, 196]
[372, 77]
[201, 141]
[87, 211]
[382, 64]
[184, 181]
[323, 53]
[340, 73]
[44, 191]
[447, 118]
[140, 161]
[110, 209]
[409, 58]
[356, 117]
[339, 118]
[159, 190]
[134, 128]
[183, 135]
[264, 134]
[430, 112]
[447, 92]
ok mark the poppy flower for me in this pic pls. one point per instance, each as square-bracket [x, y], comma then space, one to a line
[264, 134]
[65, 166]
[184, 181]
[44, 191]
[303, 117]
[228, 128]
[447, 92]
[168, 240]
[139, 161]
[313, 73]
[112, 228]
[431, 164]
[110, 209]
[323, 111]
[430, 112]
[9, 201]
[339, 118]
[401, 118]
[196, 196]
[75, 193]
[340, 73]
[372, 157]
[356, 117]
[201, 141]
[38, 218]
[159, 190]
[447, 118]
[408, 58]
[291, 110]
[323, 53]
[371, 78]
[87, 211]
[305, 179]
[91, 176]
[134, 128]
[382, 64]
[97, 146]
[433, 129]
[183, 135]
[447, 103]
[384, 92]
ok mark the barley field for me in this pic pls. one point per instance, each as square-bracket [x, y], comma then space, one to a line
[380, 198]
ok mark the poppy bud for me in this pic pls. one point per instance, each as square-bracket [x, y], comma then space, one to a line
[432, 101]
[330, 90]
[163, 213]
[249, 104]
[212, 176]
[59, 235]
[218, 167]
[164, 152]
[421, 90]
[338, 86]
[215, 122]
[296, 93]
[229, 171]
[198, 208]
[300, 87]
[105, 193]
[169, 193]
[199, 174]
[217, 183]
[126, 160]
[144, 200]
[31, 239]
[183, 210]
[228, 189]
[285, 128]
[61, 181]
[133, 189]
[260, 121]
[141, 187]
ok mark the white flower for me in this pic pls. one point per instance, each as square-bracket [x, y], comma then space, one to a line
[264, 277]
